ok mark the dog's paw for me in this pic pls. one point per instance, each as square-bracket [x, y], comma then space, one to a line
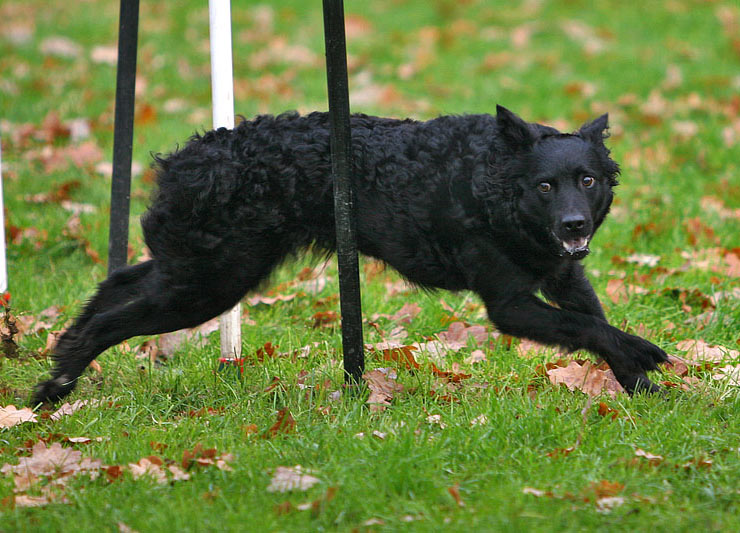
[644, 355]
[52, 390]
[640, 384]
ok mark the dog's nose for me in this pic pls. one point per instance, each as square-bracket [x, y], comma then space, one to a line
[574, 222]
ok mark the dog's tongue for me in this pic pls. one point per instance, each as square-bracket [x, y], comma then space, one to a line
[576, 245]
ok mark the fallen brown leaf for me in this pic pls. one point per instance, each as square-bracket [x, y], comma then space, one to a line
[325, 319]
[74, 231]
[561, 452]
[69, 408]
[316, 505]
[605, 488]
[699, 350]
[453, 376]
[53, 461]
[61, 47]
[150, 467]
[648, 457]
[56, 195]
[269, 300]
[383, 387]
[407, 313]
[605, 410]
[728, 373]
[402, 354]
[290, 478]
[458, 335]
[12, 416]
[285, 424]
[199, 456]
[619, 292]
[455, 493]
[585, 377]
[607, 503]
[476, 356]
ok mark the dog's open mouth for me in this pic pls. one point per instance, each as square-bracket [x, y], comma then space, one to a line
[576, 247]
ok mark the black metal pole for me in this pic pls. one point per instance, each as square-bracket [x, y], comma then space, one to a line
[123, 134]
[341, 165]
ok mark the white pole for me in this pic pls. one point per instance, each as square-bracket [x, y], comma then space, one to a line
[222, 94]
[3, 266]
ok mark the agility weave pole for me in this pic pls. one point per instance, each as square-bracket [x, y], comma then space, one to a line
[123, 134]
[3, 263]
[222, 96]
[341, 166]
[223, 116]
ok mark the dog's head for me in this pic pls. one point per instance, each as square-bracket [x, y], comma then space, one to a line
[562, 183]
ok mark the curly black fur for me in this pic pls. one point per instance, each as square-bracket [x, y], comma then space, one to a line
[490, 204]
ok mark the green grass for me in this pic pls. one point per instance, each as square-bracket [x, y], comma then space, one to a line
[465, 58]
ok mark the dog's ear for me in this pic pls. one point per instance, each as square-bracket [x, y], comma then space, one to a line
[595, 131]
[513, 129]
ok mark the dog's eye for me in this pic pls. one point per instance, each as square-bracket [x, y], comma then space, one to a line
[588, 182]
[544, 187]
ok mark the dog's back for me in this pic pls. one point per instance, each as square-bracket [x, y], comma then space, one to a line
[271, 177]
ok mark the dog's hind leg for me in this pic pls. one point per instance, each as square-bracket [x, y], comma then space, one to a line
[121, 287]
[163, 303]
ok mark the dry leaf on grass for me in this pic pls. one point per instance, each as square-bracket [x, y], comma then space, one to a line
[699, 350]
[290, 478]
[476, 356]
[55, 463]
[729, 373]
[33, 324]
[404, 315]
[457, 335]
[452, 376]
[536, 492]
[383, 386]
[455, 493]
[150, 467]
[200, 456]
[606, 504]
[269, 300]
[11, 416]
[585, 377]
[165, 346]
[527, 348]
[436, 420]
[285, 424]
[605, 488]
[123, 528]
[69, 408]
[407, 313]
[154, 468]
[314, 506]
[402, 354]
[24, 500]
[643, 259]
[620, 292]
[648, 457]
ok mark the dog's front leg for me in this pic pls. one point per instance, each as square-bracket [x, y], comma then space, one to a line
[578, 324]
[629, 357]
[570, 289]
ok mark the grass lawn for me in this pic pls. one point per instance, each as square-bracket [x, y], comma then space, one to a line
[483, 439]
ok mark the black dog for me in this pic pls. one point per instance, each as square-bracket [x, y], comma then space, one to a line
[490, 204]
